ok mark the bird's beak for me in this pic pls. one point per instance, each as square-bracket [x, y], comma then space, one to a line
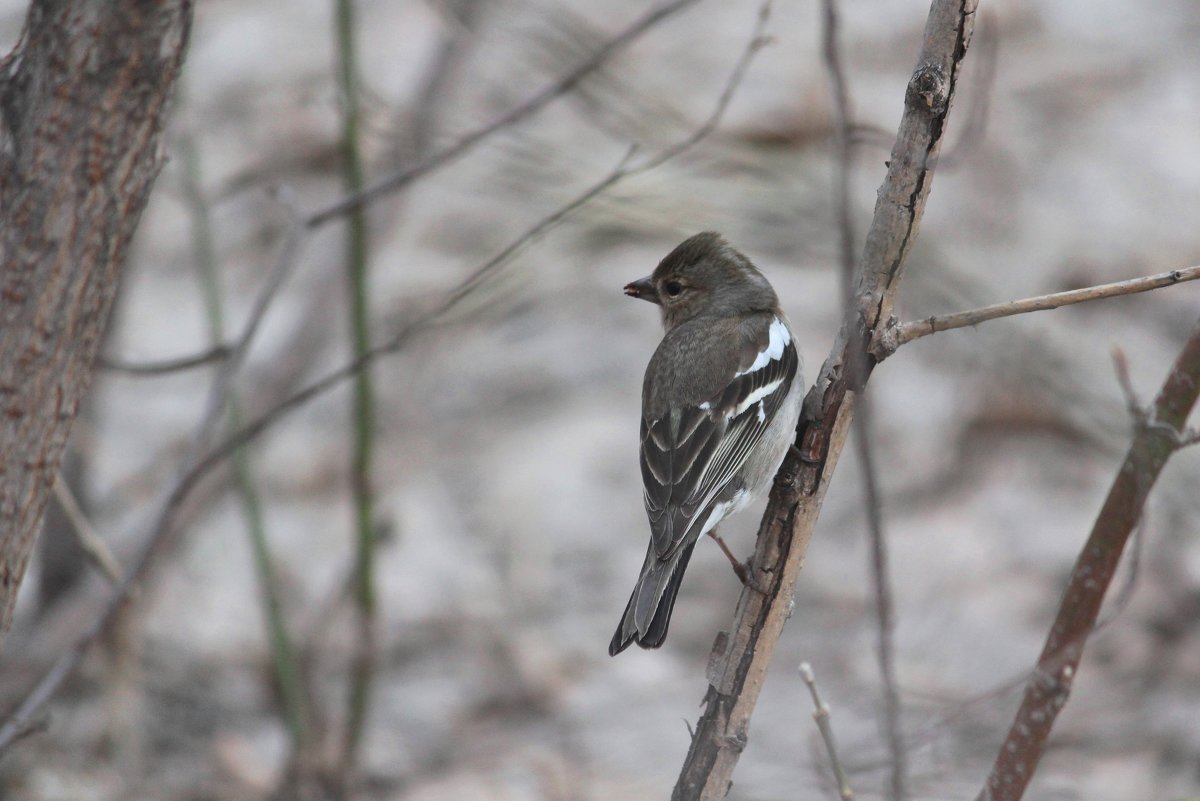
[643, 288]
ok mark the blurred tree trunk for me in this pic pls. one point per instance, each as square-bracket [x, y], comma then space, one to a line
[83, 98]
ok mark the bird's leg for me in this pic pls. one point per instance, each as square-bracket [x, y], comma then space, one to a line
[740, 569]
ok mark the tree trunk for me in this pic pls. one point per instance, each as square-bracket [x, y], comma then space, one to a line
[83, 100]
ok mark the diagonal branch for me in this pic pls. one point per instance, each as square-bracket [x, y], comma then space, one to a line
[739, 663]
[1048, 688]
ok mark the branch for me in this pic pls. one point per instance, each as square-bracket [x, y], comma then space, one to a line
[1048, 688]
[897, 334]
[566, 83]
[365, 649]
[740, 659]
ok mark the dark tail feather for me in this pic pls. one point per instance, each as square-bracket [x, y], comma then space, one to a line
[651, 579]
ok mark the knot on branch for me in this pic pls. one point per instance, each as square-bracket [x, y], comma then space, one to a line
[737, 740]
[886, 339]
[928, 89]
[1055, 687]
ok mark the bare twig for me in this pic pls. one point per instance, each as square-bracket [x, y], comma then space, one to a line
[740, 659]
[362, 417]
[842, 125]
[822, 717]
[885, 614]
[563, 85]
[897, 334]
[90, 542]
[213, 354]
[857, 369]
[285, 665]
[1048, 688]
[194, 470]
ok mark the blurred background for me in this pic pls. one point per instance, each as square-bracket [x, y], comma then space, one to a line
[507, 496]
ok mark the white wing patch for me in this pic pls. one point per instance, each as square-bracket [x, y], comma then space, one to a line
[779, 338]
[757, 395]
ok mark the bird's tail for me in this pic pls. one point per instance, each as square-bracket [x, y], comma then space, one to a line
[648, 613]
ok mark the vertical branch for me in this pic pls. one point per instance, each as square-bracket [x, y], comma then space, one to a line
[1156, 437]
[363, 419]
[857, 370]
[841, 146]
[284, 661]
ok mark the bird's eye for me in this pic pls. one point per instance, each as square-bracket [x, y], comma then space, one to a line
[673, 288]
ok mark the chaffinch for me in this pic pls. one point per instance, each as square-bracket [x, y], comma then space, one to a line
[720, 403]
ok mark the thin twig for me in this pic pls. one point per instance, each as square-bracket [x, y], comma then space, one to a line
[825, 726]
[165, 366]
[899, 334]
[885, 614]
[194, 470]
[89, 540]
[842, 157]
[857, 369]
[1048, 689]
[566, 83]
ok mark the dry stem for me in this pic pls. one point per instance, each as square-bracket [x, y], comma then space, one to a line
[1156, 438]
[825, 726]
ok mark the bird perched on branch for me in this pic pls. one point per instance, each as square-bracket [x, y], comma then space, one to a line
[720, 402]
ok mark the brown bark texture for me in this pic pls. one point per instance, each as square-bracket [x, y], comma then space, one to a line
[83, 100]
[739, 663]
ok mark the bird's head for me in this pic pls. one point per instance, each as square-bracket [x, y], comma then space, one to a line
[704, 276]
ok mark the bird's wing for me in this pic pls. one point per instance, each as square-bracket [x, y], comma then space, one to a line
[691, 454]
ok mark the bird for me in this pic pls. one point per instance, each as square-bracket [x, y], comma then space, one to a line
[720, 402]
